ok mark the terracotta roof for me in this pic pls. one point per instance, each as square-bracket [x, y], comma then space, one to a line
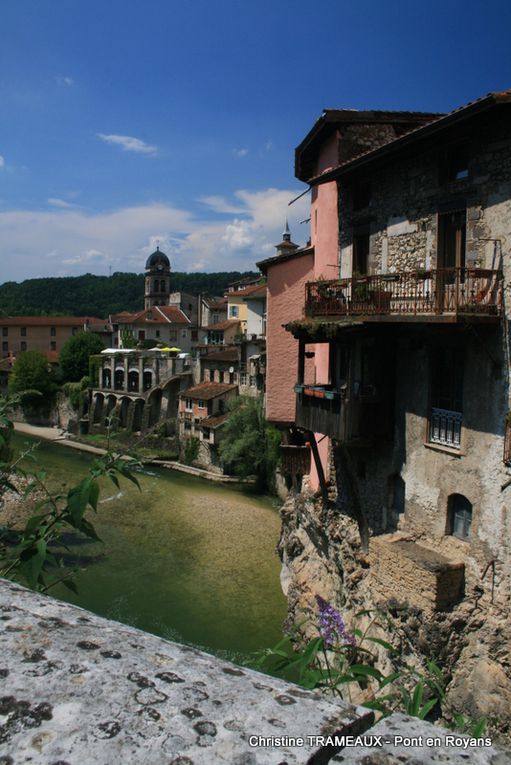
[158, 314]
[207, 390]
[215, 303]
[49, 321]
[246, 291]
[213, 422]
[430, 129]
[221, 325]
[228, 355]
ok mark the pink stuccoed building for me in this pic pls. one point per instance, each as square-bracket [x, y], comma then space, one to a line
[336, 137]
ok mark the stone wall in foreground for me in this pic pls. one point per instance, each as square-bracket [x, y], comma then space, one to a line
[76, 689]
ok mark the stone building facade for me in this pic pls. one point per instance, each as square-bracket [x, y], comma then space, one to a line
[416, 401]
[137, 388]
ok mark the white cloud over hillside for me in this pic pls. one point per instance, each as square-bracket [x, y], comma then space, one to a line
[230, 235]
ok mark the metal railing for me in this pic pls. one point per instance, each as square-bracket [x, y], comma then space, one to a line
[445, 427]
[437, 291]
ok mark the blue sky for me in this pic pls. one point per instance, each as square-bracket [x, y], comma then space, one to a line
[127, 122]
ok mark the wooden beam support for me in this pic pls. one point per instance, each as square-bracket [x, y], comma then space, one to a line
[319, 467]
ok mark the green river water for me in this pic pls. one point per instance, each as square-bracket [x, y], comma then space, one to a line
[185, 559]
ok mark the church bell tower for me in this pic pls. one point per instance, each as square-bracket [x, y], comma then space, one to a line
[157, 279]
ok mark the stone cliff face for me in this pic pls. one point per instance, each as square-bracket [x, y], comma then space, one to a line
[465, 633]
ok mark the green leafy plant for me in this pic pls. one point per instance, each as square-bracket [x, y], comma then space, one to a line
[250, 445]
[191, 450]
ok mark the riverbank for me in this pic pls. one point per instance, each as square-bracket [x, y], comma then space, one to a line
[59, 436]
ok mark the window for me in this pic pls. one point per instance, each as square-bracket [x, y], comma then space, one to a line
[141, 334]
[451, 242]
[5, 332]
[53, 331]
[200, 404]
[243, 378]
[74, 331]
[5, 346]
[446, 397]
[23, 331]
[459, 516]
[454, 164]
[361, 252]
[195, 335]
[234, 311]
[188, 404]
[23, 346]
[53, 345]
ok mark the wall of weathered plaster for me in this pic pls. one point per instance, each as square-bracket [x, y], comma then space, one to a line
[286, 295]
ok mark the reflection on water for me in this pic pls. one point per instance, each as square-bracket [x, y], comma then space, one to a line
[183, 558]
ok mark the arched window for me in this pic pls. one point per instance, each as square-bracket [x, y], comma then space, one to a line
[459, 511]
[156, 285]
[133, 380]
[148, 379]
[107, 377]
[119, 379]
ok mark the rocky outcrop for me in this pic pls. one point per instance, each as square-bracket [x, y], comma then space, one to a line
[429, 616]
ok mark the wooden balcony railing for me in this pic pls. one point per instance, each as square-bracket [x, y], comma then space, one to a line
[435, 292]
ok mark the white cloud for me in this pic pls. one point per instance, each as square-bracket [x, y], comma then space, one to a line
[64, 80]
[240, 152]
[70, 241]
[219, 204]
[268, 145]
[128, 143]
[2, 161]
[55, 202]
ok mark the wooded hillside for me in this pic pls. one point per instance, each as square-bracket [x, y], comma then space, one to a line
[90, 295]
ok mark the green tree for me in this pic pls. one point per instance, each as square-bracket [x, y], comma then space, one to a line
[250, 445]
[75, 353]
[31, 372]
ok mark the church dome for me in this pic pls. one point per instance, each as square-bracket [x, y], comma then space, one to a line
[157, 258]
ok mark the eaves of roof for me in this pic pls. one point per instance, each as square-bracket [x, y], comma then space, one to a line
[424, 132]
[263, 265]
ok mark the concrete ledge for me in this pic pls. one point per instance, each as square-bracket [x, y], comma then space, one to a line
[81, 690]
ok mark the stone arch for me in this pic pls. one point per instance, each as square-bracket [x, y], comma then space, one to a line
[106, 377]
[138, 411]
[154, 404]
[96, 414]
[124, 406]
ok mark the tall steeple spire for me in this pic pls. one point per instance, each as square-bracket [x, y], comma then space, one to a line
[286, 246]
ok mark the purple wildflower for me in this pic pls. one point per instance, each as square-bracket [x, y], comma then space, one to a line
[331, 625]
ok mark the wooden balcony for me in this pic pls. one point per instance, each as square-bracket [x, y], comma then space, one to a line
[320, 410]
[447, 292]
[323, 409]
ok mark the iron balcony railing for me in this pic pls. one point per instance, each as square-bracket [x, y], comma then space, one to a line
[445, 428]
[438, 291]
